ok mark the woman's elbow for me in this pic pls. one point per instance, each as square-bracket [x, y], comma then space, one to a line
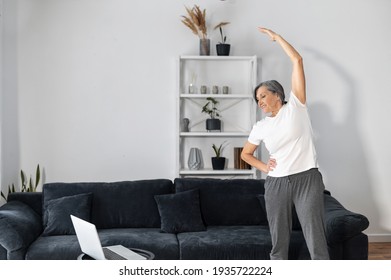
[298, 59]
[244, 156]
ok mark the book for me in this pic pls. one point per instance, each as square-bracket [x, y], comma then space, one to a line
[238, 162]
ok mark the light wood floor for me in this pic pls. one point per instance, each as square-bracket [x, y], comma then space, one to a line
[379, 251]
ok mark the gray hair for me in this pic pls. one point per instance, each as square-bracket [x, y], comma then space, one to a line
[273, 86]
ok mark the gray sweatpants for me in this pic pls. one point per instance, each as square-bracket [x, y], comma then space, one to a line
[304, 191]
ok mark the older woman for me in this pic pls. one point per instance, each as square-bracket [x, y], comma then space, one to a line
[292, 172]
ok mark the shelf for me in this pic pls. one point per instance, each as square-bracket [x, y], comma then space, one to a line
[237, 110]
[215, 57]
[214, 134]
[221, 96]
[217, 172]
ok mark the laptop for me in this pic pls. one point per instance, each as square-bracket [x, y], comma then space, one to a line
[90, 244]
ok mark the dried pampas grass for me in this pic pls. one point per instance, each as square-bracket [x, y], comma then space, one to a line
[196, 21]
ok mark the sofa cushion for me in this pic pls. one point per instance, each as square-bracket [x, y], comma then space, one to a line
[295, 220]
[227, 201]
[54, 247]
[180, 212]
[117, 204]
[58, 213]
[66, 247]
[340, 223]
[236, 243]
[226, 243]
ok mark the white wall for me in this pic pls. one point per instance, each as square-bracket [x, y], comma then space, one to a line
[89, 85]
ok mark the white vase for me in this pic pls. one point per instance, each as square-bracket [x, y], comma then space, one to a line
[195, 159]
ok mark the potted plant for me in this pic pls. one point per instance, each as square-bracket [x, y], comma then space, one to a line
[222, 48]
[27, 185]
[213, 123]
[196, 21]
[218, 162]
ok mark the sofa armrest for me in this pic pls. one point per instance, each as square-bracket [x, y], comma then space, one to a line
[340, 223]
[32, 199]
[356, 248]
[20, 225]
[3, 253]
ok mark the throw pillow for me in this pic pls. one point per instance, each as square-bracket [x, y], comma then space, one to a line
[295, 220]
[180, 212]
[59, 210]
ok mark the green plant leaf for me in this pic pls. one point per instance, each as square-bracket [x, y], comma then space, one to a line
[30, 188]
[221, 33]
[217, 150]
[212, 112]
[27, 183]
[22, 178]
[37, 177]
[3, 196]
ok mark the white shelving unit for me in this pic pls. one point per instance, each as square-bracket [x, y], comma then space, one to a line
[237, 110]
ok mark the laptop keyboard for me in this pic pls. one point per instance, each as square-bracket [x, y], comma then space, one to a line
[110, 255]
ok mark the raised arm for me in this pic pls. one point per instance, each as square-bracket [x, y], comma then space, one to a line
[298, 77]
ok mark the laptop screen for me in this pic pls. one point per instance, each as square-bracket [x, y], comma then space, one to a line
[88, 238]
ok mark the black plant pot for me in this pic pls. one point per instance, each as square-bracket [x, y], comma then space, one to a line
[223, 49]
[218, 163]
[213, 125]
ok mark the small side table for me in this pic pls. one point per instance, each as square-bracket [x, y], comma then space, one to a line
[147, 254]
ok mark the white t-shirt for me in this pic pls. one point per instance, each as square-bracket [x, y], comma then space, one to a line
[288, 137]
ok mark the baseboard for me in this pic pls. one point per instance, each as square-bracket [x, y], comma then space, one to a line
[379, 237]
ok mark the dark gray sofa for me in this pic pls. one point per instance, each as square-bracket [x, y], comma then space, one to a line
[189, 218]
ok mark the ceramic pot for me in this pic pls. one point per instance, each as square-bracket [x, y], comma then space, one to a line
[223, 49]
[218, 163]
[213, 125]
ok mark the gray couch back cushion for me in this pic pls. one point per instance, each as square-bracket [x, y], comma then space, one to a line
[115, 205]
[227, 201]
